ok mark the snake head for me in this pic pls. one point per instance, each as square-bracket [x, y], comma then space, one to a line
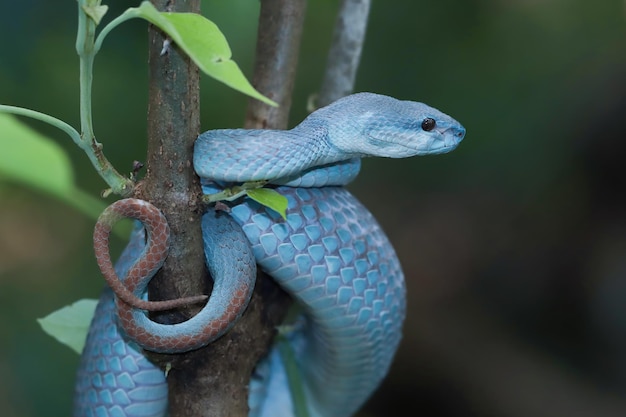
[376, 125]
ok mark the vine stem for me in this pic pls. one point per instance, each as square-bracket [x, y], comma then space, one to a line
[33, 114]
[127, 15]
[85, 140]
[86, 50]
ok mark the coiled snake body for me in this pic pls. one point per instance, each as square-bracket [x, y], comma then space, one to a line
[330, 254]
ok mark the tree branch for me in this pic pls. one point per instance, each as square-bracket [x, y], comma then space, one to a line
[170, 182]
[212, 380]
[171, 185]
[278, 44]
[345, 51]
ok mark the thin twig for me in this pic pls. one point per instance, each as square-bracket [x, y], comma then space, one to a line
[345, 51]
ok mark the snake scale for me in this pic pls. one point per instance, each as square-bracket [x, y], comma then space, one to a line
[329, 253]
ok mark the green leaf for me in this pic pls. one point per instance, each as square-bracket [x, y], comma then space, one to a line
[294, 376]
[95, 12]
[205, 44]
[70, 324]
[33, 159]
[36, 161]
[270, 198]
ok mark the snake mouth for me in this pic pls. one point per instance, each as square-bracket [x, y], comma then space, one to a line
[445, 141]
[452, 136]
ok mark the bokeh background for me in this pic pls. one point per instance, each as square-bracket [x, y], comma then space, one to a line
[514, 245]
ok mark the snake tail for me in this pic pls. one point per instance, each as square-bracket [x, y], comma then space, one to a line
[150, 261]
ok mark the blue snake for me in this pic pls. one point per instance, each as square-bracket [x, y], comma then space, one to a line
[329, 254]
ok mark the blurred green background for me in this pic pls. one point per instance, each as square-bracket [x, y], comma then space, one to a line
[514, 245]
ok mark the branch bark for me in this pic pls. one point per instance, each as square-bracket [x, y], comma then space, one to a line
[211, 381]
[171, 185]
[170, 182]
[278, 44]
[344, 55]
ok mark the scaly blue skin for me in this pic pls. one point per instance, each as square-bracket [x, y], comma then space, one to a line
[335, 260]
[114, 378]
[330, 255]
[353, 127]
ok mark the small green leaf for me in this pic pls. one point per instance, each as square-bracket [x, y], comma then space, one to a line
[36, 161]
[270, 198]
[70, 324]
[294, 376]
[31, 158]
[205, 44]
[96, 12]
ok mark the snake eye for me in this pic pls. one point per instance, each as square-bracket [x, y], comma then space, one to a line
[428, 124]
